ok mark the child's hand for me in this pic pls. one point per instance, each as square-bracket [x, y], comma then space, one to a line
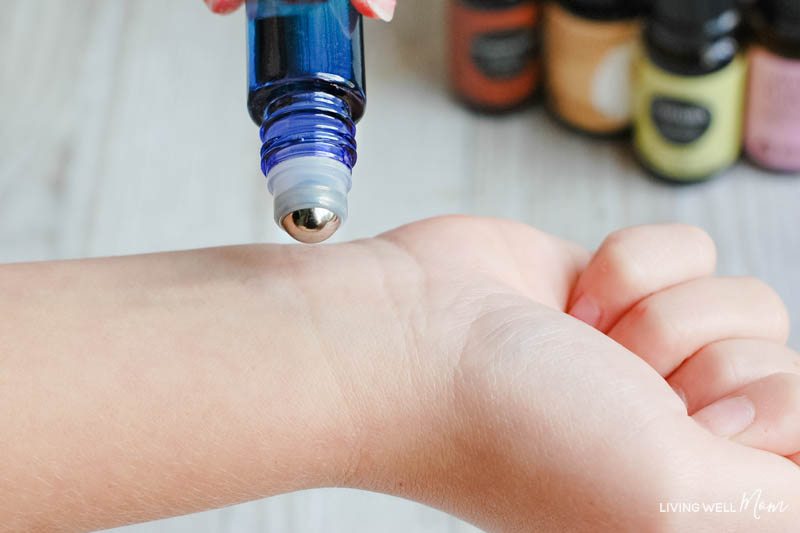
[535, 422]
[382, 9]
[435, 362]
[651, 289]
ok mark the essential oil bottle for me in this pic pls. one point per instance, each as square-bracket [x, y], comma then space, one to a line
[494, 52]
[306, 91]
[689, 89]
[772, 128]
[588, 49]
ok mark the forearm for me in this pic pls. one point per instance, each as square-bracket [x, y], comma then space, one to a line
[140, 387]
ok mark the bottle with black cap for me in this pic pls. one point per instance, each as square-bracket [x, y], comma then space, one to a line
[689, 89]
[772, 131]
[494, 52]
[589, 46]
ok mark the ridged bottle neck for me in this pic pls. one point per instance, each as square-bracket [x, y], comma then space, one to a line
[308, 123]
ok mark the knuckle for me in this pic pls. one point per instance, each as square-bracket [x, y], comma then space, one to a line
[755, 285]
[785, 388]
[620, 266]
[697, 234]
[718, 362]
[650, 316]
[622, 255]
[704, 247]
[771, 306]
[790, 384]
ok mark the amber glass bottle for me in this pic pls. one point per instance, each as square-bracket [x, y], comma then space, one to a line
[589, 47]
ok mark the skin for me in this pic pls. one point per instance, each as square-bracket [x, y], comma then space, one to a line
[435, 362]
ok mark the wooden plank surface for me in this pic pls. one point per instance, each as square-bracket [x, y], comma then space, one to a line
[123, 129]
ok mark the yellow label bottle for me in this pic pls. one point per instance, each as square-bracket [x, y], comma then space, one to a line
[689, 90]
[688, 127]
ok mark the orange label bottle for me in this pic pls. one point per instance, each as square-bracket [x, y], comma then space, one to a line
[494, 52]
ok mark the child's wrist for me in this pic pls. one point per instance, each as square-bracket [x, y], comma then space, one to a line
[398, 390]
[360, 299]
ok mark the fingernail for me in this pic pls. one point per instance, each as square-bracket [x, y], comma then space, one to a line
[727, 417]
[223, 6]
[383, 9]
[586, 310]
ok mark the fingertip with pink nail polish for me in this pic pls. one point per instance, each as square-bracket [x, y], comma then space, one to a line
[382, 9]
[222, 7]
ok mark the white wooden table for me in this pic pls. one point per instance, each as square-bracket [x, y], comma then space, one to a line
[123, 129]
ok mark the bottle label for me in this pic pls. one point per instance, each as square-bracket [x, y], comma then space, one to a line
[504, 54]
[688, 127]
[772, 135]
[588, 69]
[680, 121]
[494, 60]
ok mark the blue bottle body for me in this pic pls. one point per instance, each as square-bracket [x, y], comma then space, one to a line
[304, 44]
[306, 91]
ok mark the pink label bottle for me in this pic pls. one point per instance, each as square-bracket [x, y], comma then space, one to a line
[772, 134]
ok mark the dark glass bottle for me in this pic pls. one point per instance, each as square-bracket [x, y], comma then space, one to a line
[776, 26]
[603, 9]
[306, 91]
[494, 52]
[689, 89]
[692, 37]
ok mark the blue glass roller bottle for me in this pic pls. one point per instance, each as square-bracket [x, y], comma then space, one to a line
[306, 91]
